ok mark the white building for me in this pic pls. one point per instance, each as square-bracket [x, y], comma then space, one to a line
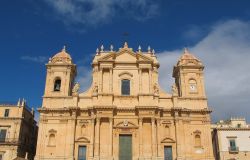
[231, 139]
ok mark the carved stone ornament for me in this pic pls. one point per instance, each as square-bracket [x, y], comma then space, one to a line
[95, 89]
[156, 89]
[125, 123]
[174, 89]
[76, 88]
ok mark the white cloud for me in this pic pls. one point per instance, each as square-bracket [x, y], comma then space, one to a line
[38, 59]
[192, 33]
[95, 12]
[84, 77]
[225, 52]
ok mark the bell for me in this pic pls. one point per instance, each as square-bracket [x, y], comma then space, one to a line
[57, 87]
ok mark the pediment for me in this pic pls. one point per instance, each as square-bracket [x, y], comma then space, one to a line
[142, 57]
[197, 132]
[125, 55]
[126, 124]
[83, 139]
[167, 140]
[126, 73]
[108, 57]
[52, 131]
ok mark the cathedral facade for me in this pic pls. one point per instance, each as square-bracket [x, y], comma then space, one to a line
[124, 115]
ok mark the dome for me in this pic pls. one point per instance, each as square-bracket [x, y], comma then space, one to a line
[61, 57]
[188, 59]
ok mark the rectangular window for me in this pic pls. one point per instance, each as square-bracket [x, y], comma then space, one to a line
[232, 145]
[3, 135]
[82, 153]
[6, 113]
[125, 87]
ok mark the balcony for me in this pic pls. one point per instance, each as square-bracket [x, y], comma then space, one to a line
[9, 141]
[233, 149]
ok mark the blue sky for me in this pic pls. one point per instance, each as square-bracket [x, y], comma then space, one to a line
[218, 32]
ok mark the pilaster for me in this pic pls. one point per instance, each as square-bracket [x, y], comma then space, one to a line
[92, 138]
[141, 138]
[153, 137]
[178, 135]
[158, 137]
[111, 136]
[97, 138]
[73, 129]
[140, 80]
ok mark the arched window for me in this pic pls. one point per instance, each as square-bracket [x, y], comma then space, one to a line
[125, 87]
[197, 140]
[52, 140]
[192, 85]
[57, 85]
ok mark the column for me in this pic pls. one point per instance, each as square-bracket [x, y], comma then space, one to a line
[92, 138]
[153, 137]
[97, 137]
[141, 137]
[177, 136]
[111, 136]
[158, 137]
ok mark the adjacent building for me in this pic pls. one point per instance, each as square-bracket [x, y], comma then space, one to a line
[18, 131]
[231, 139]
[124, 115]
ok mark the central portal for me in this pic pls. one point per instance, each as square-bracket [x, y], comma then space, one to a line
[125, 147]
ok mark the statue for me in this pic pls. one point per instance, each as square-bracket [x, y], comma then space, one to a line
[95, 89]
[156, 89]
[174, 89]
[76, 88]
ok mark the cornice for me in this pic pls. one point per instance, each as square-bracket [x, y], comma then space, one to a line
[104, 106]
[145, 94]
[192, 98]
[124, 96]
[233, 129]
[130, 96]
[126, 109]
[184, 110]
[123, 109]
[146, 107]
[60, 64]
[44, 109]
[104, 60]
[11, 118]
[65, 97]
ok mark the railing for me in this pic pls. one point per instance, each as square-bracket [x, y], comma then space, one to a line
[233, 149]
[8, 141]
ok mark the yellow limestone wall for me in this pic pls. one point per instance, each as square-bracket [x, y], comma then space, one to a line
[96, 117]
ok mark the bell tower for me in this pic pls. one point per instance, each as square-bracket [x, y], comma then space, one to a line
[189, 78]
[60, 77]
